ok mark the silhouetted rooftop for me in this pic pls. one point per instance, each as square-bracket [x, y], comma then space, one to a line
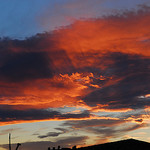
[129, 144]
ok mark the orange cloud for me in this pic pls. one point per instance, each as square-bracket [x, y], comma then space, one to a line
[127, 34]
[48, 92]
[99, 64]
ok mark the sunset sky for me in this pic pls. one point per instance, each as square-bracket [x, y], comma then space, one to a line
[74, 72]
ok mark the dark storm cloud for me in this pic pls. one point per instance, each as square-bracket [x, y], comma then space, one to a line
[35, 43]
[32, 58]
[63, 142]
[84, 114]
[14, 115]
[8, 115]
[24, 60]
[134, 73]
[26, 66]
[127, 64]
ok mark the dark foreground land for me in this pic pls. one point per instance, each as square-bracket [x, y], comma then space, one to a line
[130, 144]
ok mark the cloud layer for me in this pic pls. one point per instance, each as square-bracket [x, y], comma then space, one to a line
[98, 64]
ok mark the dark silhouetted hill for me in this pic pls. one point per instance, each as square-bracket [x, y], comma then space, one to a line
[130, 144]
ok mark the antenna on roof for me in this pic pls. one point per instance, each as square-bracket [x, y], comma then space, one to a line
[9, 141]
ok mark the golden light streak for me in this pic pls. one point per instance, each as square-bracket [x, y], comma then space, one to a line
[54, 119]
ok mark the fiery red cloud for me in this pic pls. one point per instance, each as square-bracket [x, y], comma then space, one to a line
[126, 34]
[99, 64]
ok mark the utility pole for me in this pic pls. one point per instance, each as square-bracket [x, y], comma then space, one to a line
[9, 141]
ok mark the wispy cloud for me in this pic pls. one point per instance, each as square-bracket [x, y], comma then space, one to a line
[54, 134]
